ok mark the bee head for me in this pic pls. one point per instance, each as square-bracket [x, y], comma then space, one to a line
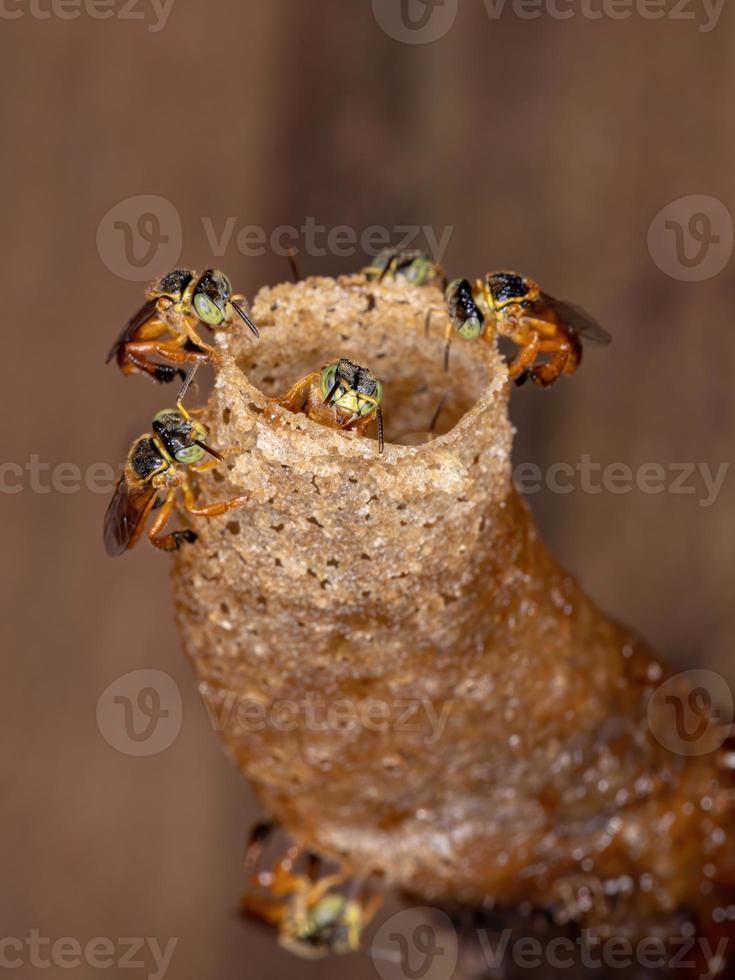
[418, 269]
[464, 311]
[183, 438]
[211, 297]
[506, 288]
[350, 388]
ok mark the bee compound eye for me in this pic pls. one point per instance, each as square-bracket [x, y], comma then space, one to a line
[471, 328]
[225, 283]
[328, 377]
[189, 455]
[207, 310]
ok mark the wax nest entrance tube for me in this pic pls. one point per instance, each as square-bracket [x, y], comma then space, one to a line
[410, 682]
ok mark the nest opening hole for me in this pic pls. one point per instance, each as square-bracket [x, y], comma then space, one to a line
[420, 400]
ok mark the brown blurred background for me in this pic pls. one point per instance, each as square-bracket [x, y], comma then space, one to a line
[546, 145]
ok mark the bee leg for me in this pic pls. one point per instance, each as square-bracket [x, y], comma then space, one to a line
[137, 351]
[174, 540]
[212, 352]
[526, 355]
[282, 880]
[159, 372]
[167, 372]
[575, 353]
[370, 906]
[269, 910]
[258, 838]
[130, 355]
[448, 340]
[545, 375]
[297, 396]
[428, 318]
[204, 467]
[320, 888]
[210, 510]
[313, 865]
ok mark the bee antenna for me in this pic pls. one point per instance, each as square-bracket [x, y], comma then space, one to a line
[333, 391]
[438, 411]
[446, 354]
[291, 256]
[208, 449]
[187, 381]
[381, 433]
[241, 313]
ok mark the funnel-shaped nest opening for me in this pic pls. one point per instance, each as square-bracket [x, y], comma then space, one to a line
[380, 327]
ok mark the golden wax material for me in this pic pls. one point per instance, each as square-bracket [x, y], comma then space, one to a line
[405, 675]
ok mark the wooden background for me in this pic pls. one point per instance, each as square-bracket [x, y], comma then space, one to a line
[548, 146]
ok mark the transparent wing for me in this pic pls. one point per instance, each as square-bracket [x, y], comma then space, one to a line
[126, 516]
[134, 323]
[578, 319]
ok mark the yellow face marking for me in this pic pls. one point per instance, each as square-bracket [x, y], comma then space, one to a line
[354, 402]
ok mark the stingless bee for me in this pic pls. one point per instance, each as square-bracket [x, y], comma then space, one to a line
[342, 396]
[514, 306]
[156, 468]
[408, 264]
[313, 918]
[167, 324]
